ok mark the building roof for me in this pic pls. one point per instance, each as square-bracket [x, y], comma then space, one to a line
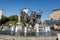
[50, 23]
[55, 10]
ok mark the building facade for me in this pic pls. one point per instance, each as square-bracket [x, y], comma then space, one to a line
[0, 13]
[55, 15]
[0, 16]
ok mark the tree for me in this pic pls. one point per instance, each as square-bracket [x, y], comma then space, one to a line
[10, 19]
[4, 19]
[13, 18]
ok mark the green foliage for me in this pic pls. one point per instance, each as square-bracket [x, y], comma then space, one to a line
[9, 20]
[6, 24]
[5, 19]
[13, 18]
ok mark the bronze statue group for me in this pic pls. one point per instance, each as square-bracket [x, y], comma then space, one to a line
[30, 20]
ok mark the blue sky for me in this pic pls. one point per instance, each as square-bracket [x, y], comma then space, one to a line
[12, 7]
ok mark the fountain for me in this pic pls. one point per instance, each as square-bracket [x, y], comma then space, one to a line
[31, 25]
[25, 31]
[30, 22]
[37, 29]
[46, 29]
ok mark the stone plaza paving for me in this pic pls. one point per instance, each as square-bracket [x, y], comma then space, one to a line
[6, 37]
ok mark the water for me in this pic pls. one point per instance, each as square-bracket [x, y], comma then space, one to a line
[5, 32]
[41, 33]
